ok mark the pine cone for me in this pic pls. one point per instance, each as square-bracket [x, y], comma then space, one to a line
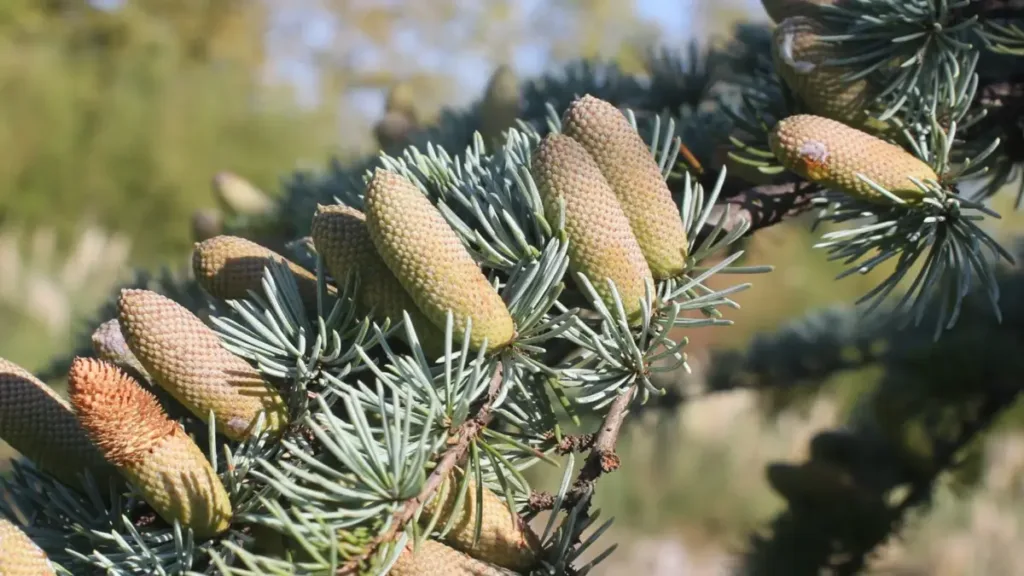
[831, 154]
[435, 559]
[19, 555]
[799, 56]
[427, 257]
[501, 105]
[628, 166]
[228, 267]
[109, 344]
[40, 425]
[340, 235]
[236, 195]
[779, 10]
[504, 541]
[150, 449]
[601, 243]
[186, 358]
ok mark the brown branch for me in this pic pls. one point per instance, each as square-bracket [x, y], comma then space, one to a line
[459, 442]
[602, 458]
[762, 206]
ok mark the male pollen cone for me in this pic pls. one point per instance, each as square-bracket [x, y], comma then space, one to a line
[799, 56]
[429, 260]
[601, 242]
[41, 425]
[109, 344]
[630, 169]
[19, 555]
[150, 449]
[239, 196]
[228, 267]
[501, 105]
[186, 358]
[832, 154]
[505, 540]
[340, 235]
[433, 558]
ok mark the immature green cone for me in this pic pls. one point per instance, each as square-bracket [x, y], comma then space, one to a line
[779, 10]
[504, 541]
[601, 242]
[433, 558]
[799, 56]
[831, 154]
[186, 358]
[19, 555]
[40, 425]
[429, 260]
[228, 266]
[501, 105]
[236, 195]
[628, 166]
[152, 451]
[340, 235]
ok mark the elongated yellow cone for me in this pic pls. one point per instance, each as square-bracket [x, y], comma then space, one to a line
[186, 358]
[505, 540]
[601, 243]
[433, 558]
[40, 425]
[832, 154]
[152, 451]
[341, 237]
[630, 169]
[19, 555]
[501, 105]
[429, 260]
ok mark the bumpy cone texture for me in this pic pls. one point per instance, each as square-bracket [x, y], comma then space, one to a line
[429, 260]
[152, 451]
[433, 558]
[799, 56]
[501, 105]
[779, 10]
[41, 425]
[601, 243]
[831, 153]
[504, 541]
[186, 358]
[19, 555]
[236, 195]
[228, 266]
[341, 237]
[628, 166]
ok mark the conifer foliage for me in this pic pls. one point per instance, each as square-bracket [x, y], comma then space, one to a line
[448, 316]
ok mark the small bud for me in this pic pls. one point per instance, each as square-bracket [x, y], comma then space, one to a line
[152, 451]
[40, 425]
[187, 359]
[19, 555]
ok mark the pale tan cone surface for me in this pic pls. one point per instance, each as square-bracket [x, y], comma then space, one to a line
[109, 344]
[152, 451]
[433, 558]
[799, 56]
[19, 555]
[341, 237]
[238, 196]
[504, 541]
[779, 10]
[186, 358]
[601, 243]
[628, 166]
[40, 425]
[228, 267]
[832, 154]
[429, 260]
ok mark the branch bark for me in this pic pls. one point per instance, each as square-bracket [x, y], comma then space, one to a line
[459, 443]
